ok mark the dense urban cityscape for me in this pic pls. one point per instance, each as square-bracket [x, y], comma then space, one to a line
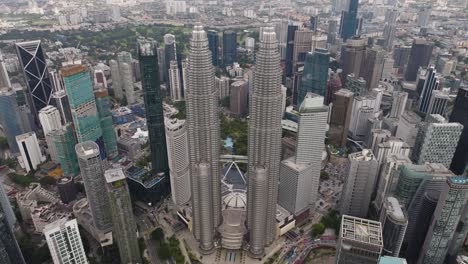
[236, 132]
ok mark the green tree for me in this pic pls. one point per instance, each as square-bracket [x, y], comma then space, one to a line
[47, 180]
[158, 234]
[324, 175]
[3, 142]
[164, 252]
[318, 229]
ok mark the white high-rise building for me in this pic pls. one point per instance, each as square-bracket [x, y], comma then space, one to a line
[127, 82]
[50, 119]
[359, 184]
[31, 155]
[184, 75]
[222, 87]
[300, 175]
[64, 241]
[175, 83]
[399, 104]
[178, 156]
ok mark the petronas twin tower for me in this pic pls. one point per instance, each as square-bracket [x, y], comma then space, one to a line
[264, 143]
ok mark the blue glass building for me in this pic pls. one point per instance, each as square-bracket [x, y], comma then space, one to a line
[315, 75]
[213, 45]
[229, 47]
[349, 22]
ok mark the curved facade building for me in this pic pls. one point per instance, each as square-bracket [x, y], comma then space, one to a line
[92, 173]
[264, 148]
[178, 156]
[203, 138]
[394, 223]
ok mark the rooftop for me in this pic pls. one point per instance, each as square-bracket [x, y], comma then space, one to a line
[87, 149]
[113, 175]
[361, 230]
[391, 260]
[394, 209]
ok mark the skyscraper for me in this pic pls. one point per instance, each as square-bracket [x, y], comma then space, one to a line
[203, 138]
[394, 223]
[64, 142]
[352, 56]
[357, 85]
[175, 82]
[444, 223]
[398, 104]
[179, 166]
[83, 105]
[315, 76]
[341, 117]
[229, 47]
[299, 175]
[123, 221]
[5, 207]
[31, 155]
[170, 54]
[420, 56]
[333, 86]
[238, 98]
[372, 67]
[436, 141]
[289, 69]
[10, 119]
[264, 147]
[302, 46]
[359, 184]
[126, 77]
[430, 84]
[460, 115]
[64, 241]
[34, 66]
[10, 252]
[360, 241]
[116, 79]
[439, 102]
[213, 44]
[50, 119]
[147, 55]
[92, 172]
[103, 105]
[349, 23]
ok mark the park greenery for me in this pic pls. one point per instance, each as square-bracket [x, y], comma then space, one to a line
[182, 114]
[23, 180]
[332, 220]
[32, 252]
[324, 175]
[318, 229]
[237, 130]
[168, 249]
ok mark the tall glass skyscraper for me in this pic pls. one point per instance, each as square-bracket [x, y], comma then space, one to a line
[65, 142]
[315, 76]
[85, 116]
[147, 55]
[264, 146]
[170, 54]
[349, 22]
[105, 117]
[290, 50]
[203, 140]
[34, 66]
[420, 56]
[213, 44]
[229, 47]
[460, 115]
[10, 119]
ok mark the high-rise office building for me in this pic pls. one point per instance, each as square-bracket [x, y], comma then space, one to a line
[34, 66]
[5, 207]
[408, 127]
[265, 144]
[67, 189]
[423, 16]
[83, 105]
[238, 98]
[341, 117]
[10, 119]
[444, 223]
[420, 56]
[103, 105]
[60, 101]
[360, 241]
[388, 178]
[313, 23]
[175, 82]
[289, 69]
[333, 86]
[178, 155]
[4, 78]
[126, 77]
[349, 21]
[359, 184]
[10, 252]
[64, 142]
[299, 175]
[213, 44]
[364, 108]
[203, 138]
[31, 155]
[123, 221]
[64, 241]
[439, 102]
[302, 46]
[398, 104]
[315, 75]
[394, 223]
[92, 172]
[357, 85]
[50, 120]
[460, 115]
[436, 141]
[389, 36]
[116, 79]
[147, 55]
[372, 67]
[352, 56]
[229, 47]
[401, 56]
[170, 54]
[430, 84]
[332, 31]
[459, 237]
[222, 87]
